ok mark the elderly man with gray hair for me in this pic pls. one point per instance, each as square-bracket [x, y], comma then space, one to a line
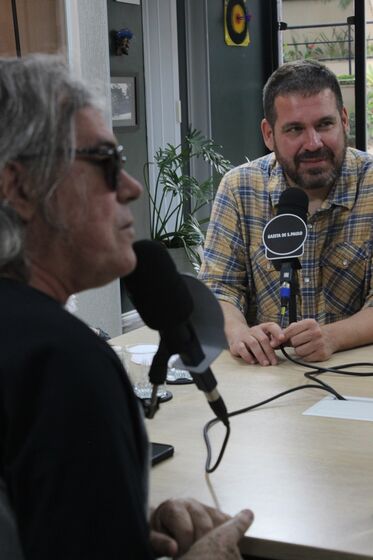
[73, 448]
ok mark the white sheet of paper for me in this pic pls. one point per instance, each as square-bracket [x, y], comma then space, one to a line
[354, 408]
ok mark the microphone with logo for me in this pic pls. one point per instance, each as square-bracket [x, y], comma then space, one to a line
[186, 314]
[284, 237]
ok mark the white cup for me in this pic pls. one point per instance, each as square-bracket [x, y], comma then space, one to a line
[137, 362]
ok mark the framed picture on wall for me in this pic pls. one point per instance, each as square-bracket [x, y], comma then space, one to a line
[129, 1]
[123, 101]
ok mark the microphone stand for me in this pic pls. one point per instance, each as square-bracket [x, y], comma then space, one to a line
[182, 340]
[179, 340]
[289, 287]
[157, 376]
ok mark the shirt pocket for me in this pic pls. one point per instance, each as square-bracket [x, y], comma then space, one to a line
[264, 287]
[345, 277]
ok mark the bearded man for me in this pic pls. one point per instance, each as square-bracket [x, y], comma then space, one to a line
[305, 127]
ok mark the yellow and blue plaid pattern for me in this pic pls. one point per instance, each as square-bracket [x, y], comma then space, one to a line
[336, 276]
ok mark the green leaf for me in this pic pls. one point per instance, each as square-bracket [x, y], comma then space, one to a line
[178, 195]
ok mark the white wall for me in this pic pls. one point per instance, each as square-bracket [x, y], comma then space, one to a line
[88, 52]
[161, 75]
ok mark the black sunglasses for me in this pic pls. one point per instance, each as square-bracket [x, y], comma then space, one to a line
[110, 158]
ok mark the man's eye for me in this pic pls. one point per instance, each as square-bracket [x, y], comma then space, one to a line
[325, 124]
[293, 129]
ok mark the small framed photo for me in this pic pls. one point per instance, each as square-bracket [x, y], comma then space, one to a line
[123, 101]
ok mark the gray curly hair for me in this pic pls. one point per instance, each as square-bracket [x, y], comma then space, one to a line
[12, 260]
[38, 102]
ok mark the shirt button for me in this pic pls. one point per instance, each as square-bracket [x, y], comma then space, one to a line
[309, 226]
[307, 280]
[345, 263]
[269, 266]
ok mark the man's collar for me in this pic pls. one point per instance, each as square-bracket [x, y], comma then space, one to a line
[277, 182]
[344, 191]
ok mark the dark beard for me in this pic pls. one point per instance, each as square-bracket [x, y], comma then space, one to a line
[316, 177]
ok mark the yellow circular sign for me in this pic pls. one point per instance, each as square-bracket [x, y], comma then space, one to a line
[238, 19]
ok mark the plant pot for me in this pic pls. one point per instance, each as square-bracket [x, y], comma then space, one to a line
[181, 260]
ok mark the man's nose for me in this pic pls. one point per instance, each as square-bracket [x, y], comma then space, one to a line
[128, 187]
[312, 140]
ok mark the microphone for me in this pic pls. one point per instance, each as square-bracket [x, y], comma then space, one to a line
[285, 234]
[283, 238]
[165, 301]
[155, 284]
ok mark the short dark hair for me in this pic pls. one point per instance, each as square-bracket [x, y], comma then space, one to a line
[307, 77]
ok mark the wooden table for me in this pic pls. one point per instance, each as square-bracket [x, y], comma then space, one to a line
[309, 480]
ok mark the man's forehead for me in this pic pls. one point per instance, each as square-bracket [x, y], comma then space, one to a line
[305, 98]
[91, 128]
[296, 104]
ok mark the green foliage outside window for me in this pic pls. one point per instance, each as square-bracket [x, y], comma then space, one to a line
[342, 3]
[321, 47]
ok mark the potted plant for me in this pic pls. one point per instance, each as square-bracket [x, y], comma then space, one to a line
[178, 197]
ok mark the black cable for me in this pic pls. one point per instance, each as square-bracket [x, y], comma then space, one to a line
[310, 375]
[317, 370]
[206, 428]
[319, 384]
[335, 369]
[214, 421]
[320, 369]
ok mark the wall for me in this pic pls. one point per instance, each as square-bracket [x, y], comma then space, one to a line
[7, 38]
[298, 12]
[40, 27]
[87, 35]
[237, 75]
[122, 15]
[226, 82]
[84, 39]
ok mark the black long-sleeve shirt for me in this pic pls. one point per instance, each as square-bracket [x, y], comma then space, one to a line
[73, 451]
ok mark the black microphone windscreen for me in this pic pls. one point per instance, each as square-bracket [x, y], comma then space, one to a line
[293, 201]
[156, 288]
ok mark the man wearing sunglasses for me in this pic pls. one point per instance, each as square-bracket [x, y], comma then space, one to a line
[73, 448]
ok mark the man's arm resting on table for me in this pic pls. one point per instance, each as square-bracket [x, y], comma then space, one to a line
[315, 343]
[222, 542]
[253, 344]
[178, 524]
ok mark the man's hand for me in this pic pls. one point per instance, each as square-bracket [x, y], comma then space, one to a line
[177, 524]
[222, 542]
[252, 344]
[310, 341]
[256, 344]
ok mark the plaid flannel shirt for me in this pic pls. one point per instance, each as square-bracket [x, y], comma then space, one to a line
[336, 276]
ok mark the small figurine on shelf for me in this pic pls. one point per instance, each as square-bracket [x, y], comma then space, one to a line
[121, 41]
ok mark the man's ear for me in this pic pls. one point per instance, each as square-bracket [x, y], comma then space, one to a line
[12, 182]
[267, 133]
[345, 120]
